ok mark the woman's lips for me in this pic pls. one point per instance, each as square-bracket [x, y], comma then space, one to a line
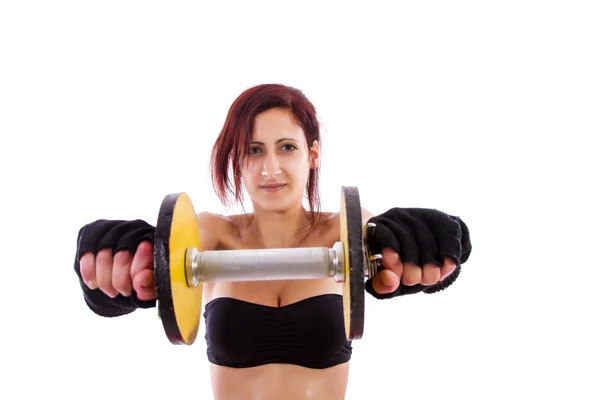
[273, 188]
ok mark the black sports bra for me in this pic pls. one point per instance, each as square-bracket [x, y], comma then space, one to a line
[308, 333]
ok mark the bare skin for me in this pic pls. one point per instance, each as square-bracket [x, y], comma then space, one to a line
[274, 381]
[279, 157]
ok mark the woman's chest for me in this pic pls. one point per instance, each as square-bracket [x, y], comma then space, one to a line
[277, 290]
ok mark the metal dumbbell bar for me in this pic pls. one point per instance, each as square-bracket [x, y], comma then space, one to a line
[181, 267]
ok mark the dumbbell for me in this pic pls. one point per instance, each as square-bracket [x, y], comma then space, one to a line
[181, 267]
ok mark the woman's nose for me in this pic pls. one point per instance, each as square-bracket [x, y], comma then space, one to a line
[271, 167]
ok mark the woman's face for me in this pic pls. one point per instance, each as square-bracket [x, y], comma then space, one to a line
[275, 172]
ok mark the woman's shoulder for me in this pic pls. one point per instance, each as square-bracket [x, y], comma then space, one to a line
[219, 231]
[237, 221]
[215, 228]
[334, 218]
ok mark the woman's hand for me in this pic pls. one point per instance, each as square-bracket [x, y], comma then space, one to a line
[394, 272]
[122, 273]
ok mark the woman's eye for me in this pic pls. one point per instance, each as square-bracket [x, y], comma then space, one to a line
[288, 147]
[254, 150]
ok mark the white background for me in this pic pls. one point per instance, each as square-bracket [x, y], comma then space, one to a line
[486, 110]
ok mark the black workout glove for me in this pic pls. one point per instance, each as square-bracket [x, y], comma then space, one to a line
[116, 235]
[421, 236]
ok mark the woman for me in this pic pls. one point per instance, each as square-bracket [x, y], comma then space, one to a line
[272, 339]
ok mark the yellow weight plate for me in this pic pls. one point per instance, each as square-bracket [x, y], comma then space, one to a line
[354, 282]
[179, 306]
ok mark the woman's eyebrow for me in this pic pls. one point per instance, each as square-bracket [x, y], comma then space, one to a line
[280, 140]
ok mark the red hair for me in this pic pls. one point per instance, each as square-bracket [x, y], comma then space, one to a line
[236, 135]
